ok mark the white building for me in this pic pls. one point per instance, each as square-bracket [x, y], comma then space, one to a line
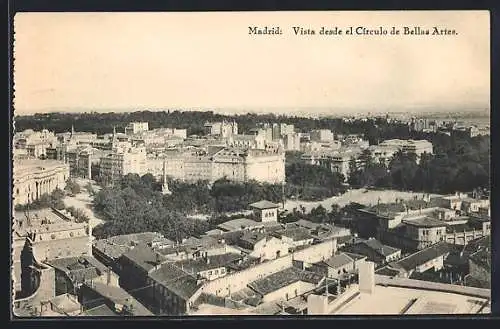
[417, 147]
[231, 163]
[291, 142]
[33, 178]
[136, 127]
[321, 135]
[223, 129]
[121, 162]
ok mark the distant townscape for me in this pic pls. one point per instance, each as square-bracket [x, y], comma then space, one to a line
[196, 213]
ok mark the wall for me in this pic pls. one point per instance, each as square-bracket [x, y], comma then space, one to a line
[238, 280]
[334, 272]
[268, 215]
[45, 292]
[432, 235]
[436, 263]
[427, 285]
[462, 238]
[291, 291]
[316, 253]
[267, 169]
[213, 274]
[270, 248]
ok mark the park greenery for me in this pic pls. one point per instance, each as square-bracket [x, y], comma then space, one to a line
[135, 204]
[458, 164]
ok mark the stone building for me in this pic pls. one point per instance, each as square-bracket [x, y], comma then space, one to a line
[33, 178]
[52, 235]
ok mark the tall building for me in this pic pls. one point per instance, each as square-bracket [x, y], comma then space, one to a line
[84, 161]
[291, 142]
[223, 129]
[321, 135]
[136, 127]
[121, 162]
[252, 141]
[230, 163]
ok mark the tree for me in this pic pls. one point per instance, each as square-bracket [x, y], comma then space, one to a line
[354, 173]
[72, 187]
[318, 214]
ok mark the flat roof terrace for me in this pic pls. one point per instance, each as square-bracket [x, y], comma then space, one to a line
[25, 166]
[408, 301]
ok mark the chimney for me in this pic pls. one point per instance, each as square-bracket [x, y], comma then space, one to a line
[108, 276]
[366, 277]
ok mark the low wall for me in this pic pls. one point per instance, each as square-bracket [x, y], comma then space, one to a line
[426, 285]
[236, 281]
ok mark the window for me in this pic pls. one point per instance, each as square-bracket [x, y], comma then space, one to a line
[216, 272]
[286, 296]
[209, 272]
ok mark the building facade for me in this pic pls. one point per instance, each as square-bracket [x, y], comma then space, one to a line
[33, 178]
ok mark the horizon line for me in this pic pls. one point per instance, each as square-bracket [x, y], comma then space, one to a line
[242, 111]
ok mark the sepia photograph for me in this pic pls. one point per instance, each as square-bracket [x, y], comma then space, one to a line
[293, 163]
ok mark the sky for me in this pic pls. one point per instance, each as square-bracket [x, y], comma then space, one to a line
[137, 61]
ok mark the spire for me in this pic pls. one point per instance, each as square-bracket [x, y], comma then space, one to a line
[72, 130]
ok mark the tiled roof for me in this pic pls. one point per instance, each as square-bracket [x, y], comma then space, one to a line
[421, 257]
[119, 296]
[282, 279]
[176, 280]
[464, 227]
[379, 247]
[305, 223]
[338, 260]
[264, 204]
[482, 258]
[116, 246]
[387, 271]
[211, 262]
[296, 234]
[253, 237]
[239, 224]
[355, 256]
[79, 269]
[101, 310]
[425, 222]
[109, 249]
[144, 257]
[482, 242]
[391, 209]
